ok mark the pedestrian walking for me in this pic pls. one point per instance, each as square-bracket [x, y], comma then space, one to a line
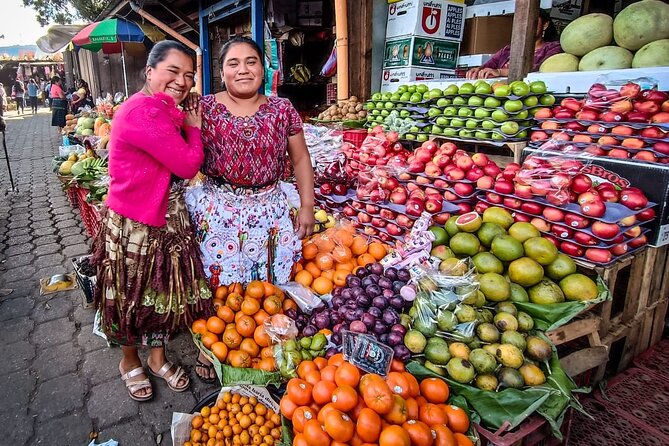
[33, 90]
[18, 91]
[3, 99]
[59, 103]
[150, 280]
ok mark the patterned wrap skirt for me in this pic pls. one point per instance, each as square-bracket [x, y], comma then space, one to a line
[58, 112]
[245, 235]
[150, 280]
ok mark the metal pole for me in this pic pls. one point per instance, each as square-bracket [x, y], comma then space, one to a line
[125, 76]
[9, 168]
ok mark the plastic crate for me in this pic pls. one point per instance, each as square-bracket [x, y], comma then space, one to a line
[641, 397]
[331, 93]
[86, 283]
[655, 359]
[607, 428]
[534, 431]
[90, 215]
[355, 137]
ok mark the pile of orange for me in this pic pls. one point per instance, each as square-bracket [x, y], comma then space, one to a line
[235, 420]
[236, 334]
[328, 257]
[332, 403]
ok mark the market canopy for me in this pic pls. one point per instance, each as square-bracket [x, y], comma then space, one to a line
[57, 37]
[115, 35]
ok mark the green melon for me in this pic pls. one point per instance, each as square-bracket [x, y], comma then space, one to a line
[653, 54]
[587, 33]
[606, 58]
[641, 23]
[559, 63]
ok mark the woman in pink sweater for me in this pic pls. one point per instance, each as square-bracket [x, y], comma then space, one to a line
[150, 277]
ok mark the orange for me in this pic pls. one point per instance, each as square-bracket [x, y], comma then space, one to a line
[328, 274]
[225, 313]
[298, 267]
[345, 266]
[231, 337]
[312, 377]
[304, 277]
[434, 390]
[315, 435]
[235, 288]
[321, 363]
[220, 350]
[359, 245]
[324, 261]
[339, 426]
[328, 373]
[245, 326]
[365, 259]
[267, 352]
[209, 339]
[342, 254]
[250, 306]
[420, 433]
[322, 285]
[267, 364]
[255, 289]
[344, 398]
[221, 292]
[260, 317]
[199, 326]
[309, 251]
[340, 276]
[324, 243]
[249, 346]
[343, 237]
[313, 269]
[377, 250]
[269, 288]
[239, 359]
[234, 301]
[215, 325]
[272, 305]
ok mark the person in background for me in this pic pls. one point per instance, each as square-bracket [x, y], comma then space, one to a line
[18, 91]
[47, 94]
[150, 280]
[3, 99]
[546, 44]
[33, 89]
[82, 97]
[242, 211]
[58, 102]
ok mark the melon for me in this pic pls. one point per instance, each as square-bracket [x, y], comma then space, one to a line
[587, 33]
[559, 63]
[653, 54]
[641, 23]
[606, 58]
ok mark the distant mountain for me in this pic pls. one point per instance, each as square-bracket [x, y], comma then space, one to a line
[18, 50]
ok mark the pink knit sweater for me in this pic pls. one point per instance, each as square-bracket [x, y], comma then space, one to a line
[146, 147]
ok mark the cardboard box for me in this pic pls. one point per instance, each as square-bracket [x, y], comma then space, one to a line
[440, 19]
[392, 78]
[486, 35]
[652, 179]
[310, 21]
[420, 52]
[310, 9]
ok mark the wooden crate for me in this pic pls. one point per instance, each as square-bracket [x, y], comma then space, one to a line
[581, 360]
[652, 326]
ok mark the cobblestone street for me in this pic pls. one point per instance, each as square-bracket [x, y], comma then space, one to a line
[59, 383]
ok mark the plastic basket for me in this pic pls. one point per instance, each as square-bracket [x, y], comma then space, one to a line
[67, 150]
[641, 397]
[90, 215]
[86, 283]
[355, 137]
[655, 359]
[534, 431]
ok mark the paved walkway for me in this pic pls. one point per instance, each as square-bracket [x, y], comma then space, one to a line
[59, 383]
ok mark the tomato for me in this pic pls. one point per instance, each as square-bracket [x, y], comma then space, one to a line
[399, 384]
[394, 436]
[345, 398]
[299, 391]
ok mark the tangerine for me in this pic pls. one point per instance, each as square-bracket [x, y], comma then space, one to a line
[344, 236]
[309, 251]
[340, 276]
[359, 245]
[255, 289]
[245, 326]
[249, 346]
[199, 326]
[261, 337]
[225, 313]
[322, 286]
[365, 259]
[313, 269]
[377, 250]
[272, 305]
[220, 350]
[221, 292]
[324, 261]
[342, 254]
[328, 274]
[304, 277]
[209, 339]
[250, 306]
[215, 325]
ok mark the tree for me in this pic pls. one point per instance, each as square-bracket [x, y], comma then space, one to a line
[62, 12]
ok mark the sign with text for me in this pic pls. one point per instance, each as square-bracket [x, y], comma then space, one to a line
[439, 19]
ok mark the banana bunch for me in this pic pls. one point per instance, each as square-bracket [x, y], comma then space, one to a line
[300, 74]
[323, 220]
[89, 169]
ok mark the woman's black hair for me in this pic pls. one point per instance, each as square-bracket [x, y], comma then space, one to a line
[234, 41]
[160, 50]
[55, 79]
[550, 33]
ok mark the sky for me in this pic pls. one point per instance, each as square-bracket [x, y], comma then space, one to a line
[19, 24]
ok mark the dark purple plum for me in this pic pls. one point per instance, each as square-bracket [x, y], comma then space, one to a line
[391, 273]
[383, 338]
[331, 352]
[309, 330]
[352, 281]
[385, 283]
[397, 303]
[380, 327]
[404, 275]
[399, 328]
[394, 338]
[376, 312]
[336, 338]
[361, 273]
[363, 301]
[397, 285]
[390, 317]
[358, 327]
[376, 268]
[373, 290]
[322, 320]
[380, 302]
[402, 352]
[368, 319]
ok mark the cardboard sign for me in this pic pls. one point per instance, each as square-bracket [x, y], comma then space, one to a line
[420, 52]
[439, 19]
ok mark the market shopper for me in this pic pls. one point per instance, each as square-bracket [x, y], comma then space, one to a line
[241, 211]
[18, 92]
[150, 280]
[546, 44]
[82, 97]
[58, 103]
[33, 90]
[3, 99]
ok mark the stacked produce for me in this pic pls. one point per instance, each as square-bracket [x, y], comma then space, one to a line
[637, 38]
[479, 111]
[620, 123]
[333, 402]
[237, 334]
[598, 222]
[350, 109]
[324, 220]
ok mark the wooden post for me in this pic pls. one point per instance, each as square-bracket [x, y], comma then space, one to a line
[341, 21]
[360, 49]
[522, 38]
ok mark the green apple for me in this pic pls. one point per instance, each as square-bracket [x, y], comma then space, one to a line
[513, 105]
[385, 113]
[522, 134]
[450, 111]
[435, 93]
[443, 102]
[405, 113]
[451, 90]
[385, 96]
[523, 114]
[502, 91]
[422, 137]
[488, 124]
[464, 133]
[466, 88]
[457, 122]
[414, 129]
[427, 129]
[389, 105]
[437, 130]
[464, 112]
[406, 97]
[509, 128]
[376, 112]
[442, 121]
[402, 89]
[426, 96]
[410, 136]
[411, 89]
[480, 135]
[498, 136]
[547, 100]
[491, 102]
[380, 119]
[499, 116]
[422, 88]
[520, 88]
[369, 106]
[531, 101]
[376, 97]
[475, 101]
[459, 100]
[471, 123]
[370, 117]
[482, 87]
[395, 97]
[416, 97]
[449, 131]
[433, 112]
[481, 113]
[538, 87]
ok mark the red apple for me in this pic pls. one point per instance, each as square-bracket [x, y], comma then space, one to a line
[372, 209]
[481, 206]
[523, 191]
[638, 116]
[571, 104]
[357, 205]
[364, 218]
[561, 231]
[416, 167]
[415, 207]
[393, 229]
[628, 221]
[455, 174]
[581, 183]
[387, 214]
[464, 162]
[558, 197]
[621, 107]
[538, 135]
[450, 196]
[349, 211]
[647, 107]
[504, 187]
[587, 115]
[646, 214]
[432, 191]
[474, 174]
[518, 217]
[441, 218]
[605, 230]
[340, 189]
[463, 189]
[540, 187]
[430, 146]
[411, 186]
[584, 238]
[441, 184]
[480, 159]
[611, 117]
[448, 148]
[590, 195]
[576, 221]
[404, 221]
[493, 198]
[595, 150]
[552, 214]
[422, 181]
[633, 199]
[532, 208]
[571, 249]
[491, 169]
[630, 90]
[595, 208]
[512, 203]
[660, 118]
[552, 239]
[418, 194]
[325, 189]
[441, 160]
[633, 232]
[379, 222]
[540, 224]
[422, 155]
[645, 155]
[638, 242]
[485, 182]
[652, 132]
[392, 137]
[433, 204]
[598, 255]
[543, 113]
[464, 208]
[654, 95]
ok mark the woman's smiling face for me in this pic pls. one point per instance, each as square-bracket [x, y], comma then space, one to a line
[174, 76]
[242, 70]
